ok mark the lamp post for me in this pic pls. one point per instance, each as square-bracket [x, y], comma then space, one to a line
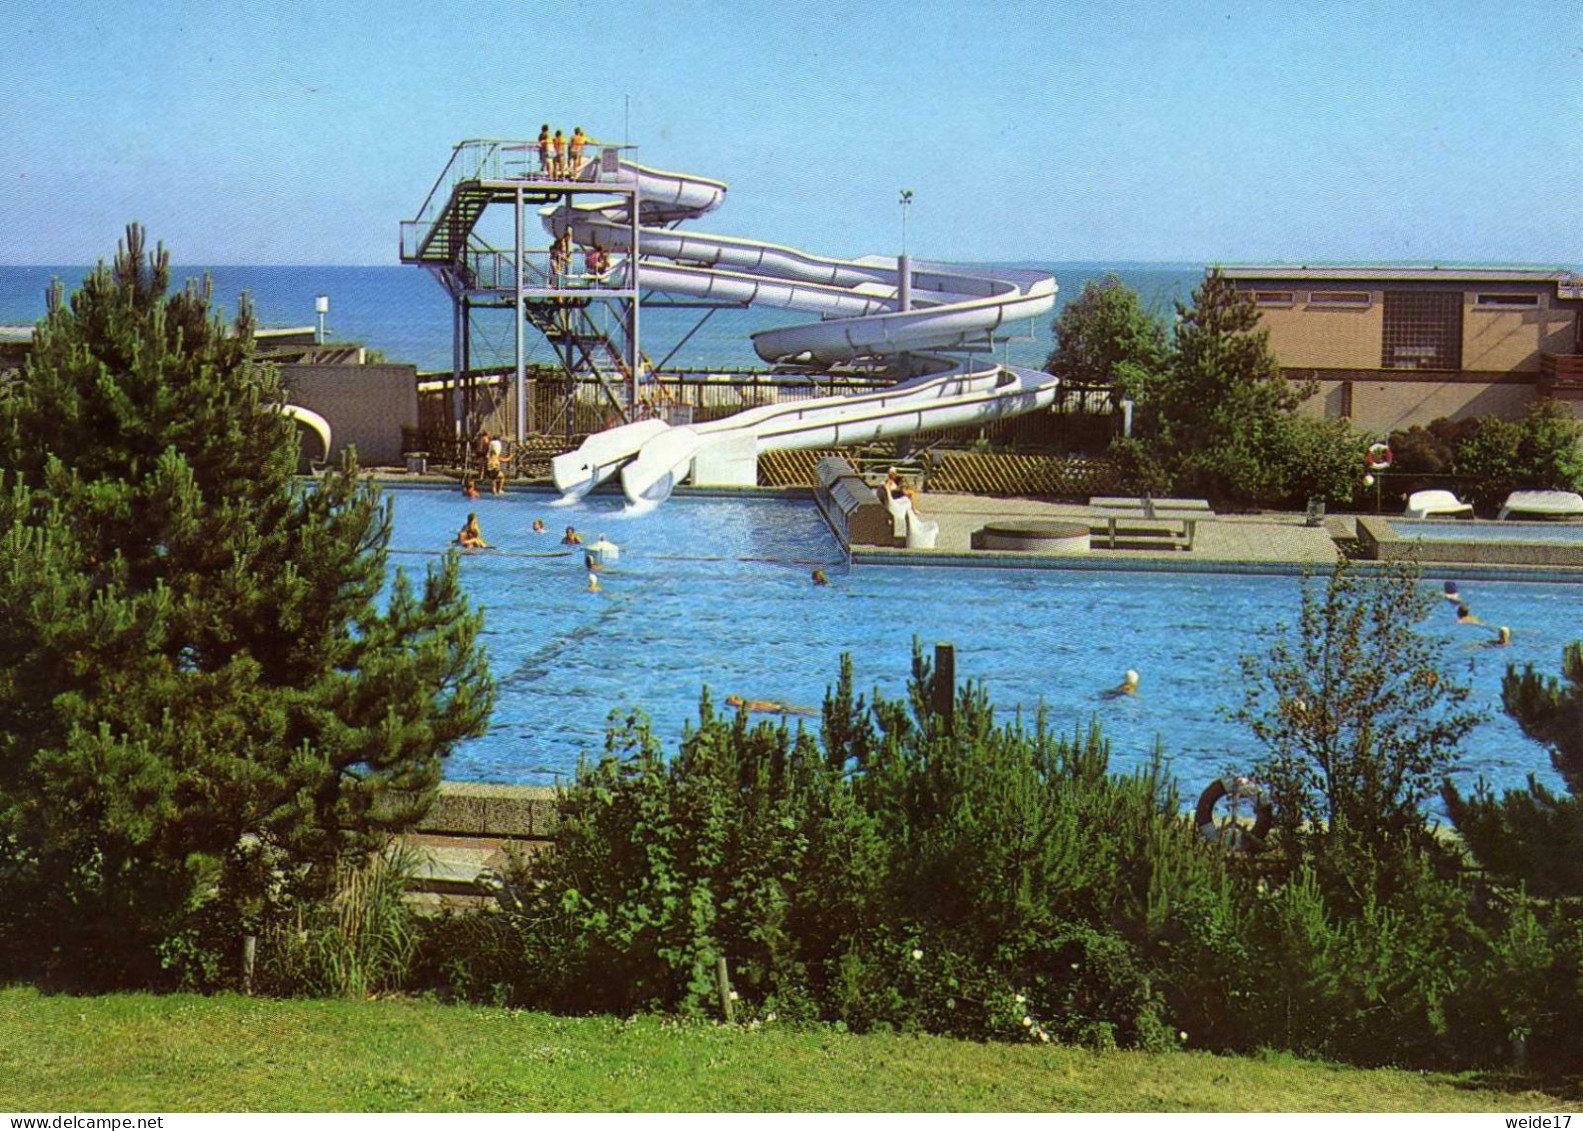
[904, 264]
[322, 306]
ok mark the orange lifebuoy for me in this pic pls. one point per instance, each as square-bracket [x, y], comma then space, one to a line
[1379, 457]
[1238, 788]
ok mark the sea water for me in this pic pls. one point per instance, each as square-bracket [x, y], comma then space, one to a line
[404, 313]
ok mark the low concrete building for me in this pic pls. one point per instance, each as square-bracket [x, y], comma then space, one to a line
[367, 405]
[1391, 347]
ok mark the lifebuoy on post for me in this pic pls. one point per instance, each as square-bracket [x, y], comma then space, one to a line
[1238, 788]
[1379, 457]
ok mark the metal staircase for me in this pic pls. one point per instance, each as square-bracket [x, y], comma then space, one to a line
[443, 238]
[584, 349]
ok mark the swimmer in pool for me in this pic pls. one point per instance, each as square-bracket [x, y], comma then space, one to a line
[593, 583]
[1465, 616]
[470, 537]
[819, 578]
[572, 538]
[469, 487]
[1128, 686]
[538, 526]
[591, 564]
[767, 706]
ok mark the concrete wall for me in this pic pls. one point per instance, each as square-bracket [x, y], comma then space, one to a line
[1382, 406]
[1512, 339]
[1306, 335]
[366, 405]
[1382, 400]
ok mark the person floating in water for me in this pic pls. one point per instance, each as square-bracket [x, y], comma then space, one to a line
[538, 526]
[469, 487]
[1127, 686]
[1451, 593]
[470, 537]
[572, 538]
[767, 706]
[592, 564]
[819, 578]
[1503, 634]
[593, 583]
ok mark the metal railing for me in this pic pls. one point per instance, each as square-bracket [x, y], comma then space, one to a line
[492, 269]
[485, 159]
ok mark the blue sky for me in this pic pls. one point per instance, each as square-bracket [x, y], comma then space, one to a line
[1119, 131]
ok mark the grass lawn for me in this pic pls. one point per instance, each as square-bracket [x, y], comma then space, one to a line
[133, 1052]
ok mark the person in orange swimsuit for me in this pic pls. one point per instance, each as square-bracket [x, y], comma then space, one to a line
[470, 537]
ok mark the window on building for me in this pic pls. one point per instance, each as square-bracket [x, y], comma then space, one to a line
[1338, 298]
[1274, 298]
[1498, 299]
[1423, 330]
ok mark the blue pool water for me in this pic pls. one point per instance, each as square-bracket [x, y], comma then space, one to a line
[717, 592]
[1566, 534]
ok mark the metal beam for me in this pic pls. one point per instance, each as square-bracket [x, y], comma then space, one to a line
[636, 285]
[519, 318]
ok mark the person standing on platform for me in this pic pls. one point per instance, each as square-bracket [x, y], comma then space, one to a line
[546, 152]
[558, 146]
[575, 152]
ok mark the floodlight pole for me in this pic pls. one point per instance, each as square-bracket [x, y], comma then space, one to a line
[904, 262]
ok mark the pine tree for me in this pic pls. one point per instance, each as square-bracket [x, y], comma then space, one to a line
[1220, 413]
[1532, 836]
[195, 670]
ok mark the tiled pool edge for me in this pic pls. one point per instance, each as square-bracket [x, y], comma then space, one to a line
[1379, 538]
[984, 559]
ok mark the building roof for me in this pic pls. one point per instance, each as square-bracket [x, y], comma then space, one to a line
[274, 335]
[1385, 273]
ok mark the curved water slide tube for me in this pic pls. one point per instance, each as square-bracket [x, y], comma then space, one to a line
[952, 307]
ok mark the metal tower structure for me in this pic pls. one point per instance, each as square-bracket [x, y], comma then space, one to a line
[532, 276]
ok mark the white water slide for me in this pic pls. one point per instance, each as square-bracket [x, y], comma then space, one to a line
[866, 312]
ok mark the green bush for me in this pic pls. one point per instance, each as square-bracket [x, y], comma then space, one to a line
[995, 880]
[1316, 459]
[895, 871]
[1543, 450]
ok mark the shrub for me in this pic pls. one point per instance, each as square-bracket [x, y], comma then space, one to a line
[1010, 856]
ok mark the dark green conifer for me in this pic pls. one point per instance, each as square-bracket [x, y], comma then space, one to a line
[1533, 836]
[195, 668]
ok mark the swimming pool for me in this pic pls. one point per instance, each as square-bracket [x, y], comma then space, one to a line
[717, 591]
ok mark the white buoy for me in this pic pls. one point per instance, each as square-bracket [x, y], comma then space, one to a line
[604, 551]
